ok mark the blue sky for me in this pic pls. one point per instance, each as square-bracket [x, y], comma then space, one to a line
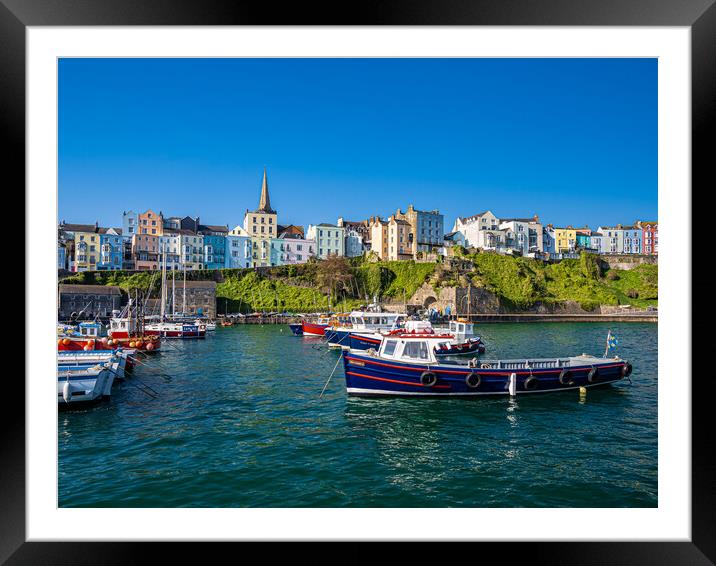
[573, 140]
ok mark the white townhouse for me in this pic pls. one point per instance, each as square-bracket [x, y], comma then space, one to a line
[523, 234]
[481, 231]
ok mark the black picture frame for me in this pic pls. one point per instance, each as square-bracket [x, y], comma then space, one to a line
[699, 15]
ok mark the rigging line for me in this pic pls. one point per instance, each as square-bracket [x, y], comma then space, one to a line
[330, 376]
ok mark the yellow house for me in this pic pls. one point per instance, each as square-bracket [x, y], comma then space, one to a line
[262, 227]
[565, 239]
[87, 249]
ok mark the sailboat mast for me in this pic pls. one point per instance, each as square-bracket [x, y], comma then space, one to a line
[174, 309]
[183, 305]
[164, 274]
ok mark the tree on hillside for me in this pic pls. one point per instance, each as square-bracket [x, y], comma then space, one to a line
[334, 274]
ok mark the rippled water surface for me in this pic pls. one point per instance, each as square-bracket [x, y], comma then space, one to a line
[241, 424]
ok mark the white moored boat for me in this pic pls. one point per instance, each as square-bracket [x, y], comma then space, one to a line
[79, 386]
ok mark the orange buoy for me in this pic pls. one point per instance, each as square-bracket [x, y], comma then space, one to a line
[86, 348]
[150, 346]
[66, 341]
[59, 342]
[132, 344]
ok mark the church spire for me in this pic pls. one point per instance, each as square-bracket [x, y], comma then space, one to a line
[265, 202]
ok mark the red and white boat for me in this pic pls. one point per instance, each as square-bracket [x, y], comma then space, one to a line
[87, 337]
[175, 329]
[317, 328]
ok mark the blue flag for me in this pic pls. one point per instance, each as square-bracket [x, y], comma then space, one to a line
[612, 341]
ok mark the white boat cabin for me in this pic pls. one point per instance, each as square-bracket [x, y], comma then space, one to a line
[411, 349]
[89, 329]
[373, 321]
[461, 327]
[122, 325]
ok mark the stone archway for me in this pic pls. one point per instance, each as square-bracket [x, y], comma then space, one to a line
[429, 302]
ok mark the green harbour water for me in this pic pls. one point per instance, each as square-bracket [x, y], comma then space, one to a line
[240, 424]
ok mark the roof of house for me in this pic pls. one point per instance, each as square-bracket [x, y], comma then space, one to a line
[291, 229]
[619, 227]
[474, 216]
[534, 219]
[79, 227]
[212, 228]
[291, 236]
[179, 232]
[238, 231]
[352, 223]
[89, 289]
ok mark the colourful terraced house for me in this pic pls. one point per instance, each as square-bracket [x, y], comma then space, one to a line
[565, 240]
[87, 245]
[150, 223]
[238, 249]
[111, 249]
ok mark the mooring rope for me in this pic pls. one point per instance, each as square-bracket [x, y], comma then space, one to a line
[330, 376]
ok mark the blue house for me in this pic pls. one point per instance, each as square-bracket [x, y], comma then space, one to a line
[238, 250]
[214, 245]
[111, 249]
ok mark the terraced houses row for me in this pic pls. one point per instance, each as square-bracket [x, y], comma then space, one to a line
[529, 237]
[147, 240]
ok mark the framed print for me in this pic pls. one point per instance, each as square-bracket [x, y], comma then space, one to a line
[308, 278]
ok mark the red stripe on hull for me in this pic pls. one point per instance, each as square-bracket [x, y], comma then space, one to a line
[314, 329]
[396, 381]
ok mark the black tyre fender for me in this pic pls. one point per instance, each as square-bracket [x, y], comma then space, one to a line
[626, 369]
[428, 378]
[592, 375]
[473, 380]
[565, 377]
[531, 382]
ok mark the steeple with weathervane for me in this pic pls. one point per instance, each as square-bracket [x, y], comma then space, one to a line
[262, 227]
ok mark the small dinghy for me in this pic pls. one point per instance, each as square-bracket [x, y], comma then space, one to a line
[406, 365]
[77, 386]
[470, 346]
[119, 360]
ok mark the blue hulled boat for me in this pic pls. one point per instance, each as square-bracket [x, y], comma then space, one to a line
[362, 323]
[406, 365]
[296, 329]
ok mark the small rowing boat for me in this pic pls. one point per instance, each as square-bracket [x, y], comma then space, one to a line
[83, 385]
